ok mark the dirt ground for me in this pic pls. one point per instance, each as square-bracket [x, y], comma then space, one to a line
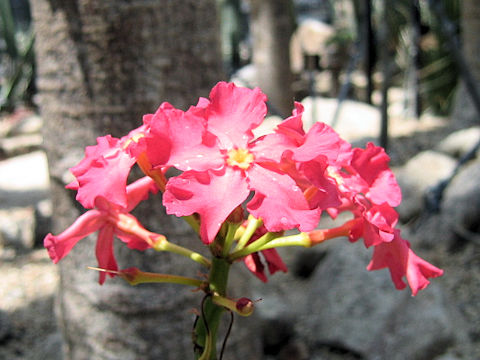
[29, 281]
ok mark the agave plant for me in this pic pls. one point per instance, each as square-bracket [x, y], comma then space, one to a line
[438, 74]
[16, 61]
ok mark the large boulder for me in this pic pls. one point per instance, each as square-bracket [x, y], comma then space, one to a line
[25, 206]
[420, 173]
[460, 142]
[357, 122]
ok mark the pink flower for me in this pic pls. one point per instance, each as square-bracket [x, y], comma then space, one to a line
[320, 141]
[312, 178]
[104, 170]
[370, 175]
[375, 223]
[108, 219]
[224, 163]
[402, 261]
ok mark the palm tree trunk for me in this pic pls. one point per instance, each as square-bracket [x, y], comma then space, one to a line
[101, 65]
[272, 26]
[465, 112]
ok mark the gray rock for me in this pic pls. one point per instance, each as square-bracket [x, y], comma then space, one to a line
[246, 76]
[5, 326]
[347, 305]
[24, 180]
[424, 170]
[363, 315]
[356, 121]
[49, 348]
[419, 328]
[29, 124]
[459, 142]
[448, 357]
[462, 197]
[17, 227]
[20, 144]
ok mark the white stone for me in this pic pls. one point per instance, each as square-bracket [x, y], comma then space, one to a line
[460, 142]
[356, 120]
[24, 173]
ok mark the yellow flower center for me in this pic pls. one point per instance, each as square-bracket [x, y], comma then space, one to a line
[333, 173]
[240, 157]
[134, 138]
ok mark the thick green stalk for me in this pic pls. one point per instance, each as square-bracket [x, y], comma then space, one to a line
[205, 332]
[229, 237]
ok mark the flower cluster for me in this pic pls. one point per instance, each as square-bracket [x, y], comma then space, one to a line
[235, 187]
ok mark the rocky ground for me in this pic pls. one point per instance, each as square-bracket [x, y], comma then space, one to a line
[442, 324]
[27, 326]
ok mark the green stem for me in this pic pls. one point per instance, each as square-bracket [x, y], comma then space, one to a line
[254, 246]
[242, 307]
[190, 219]
[301, 239]
[253, 225]
[205, 332]
[146, 277]
[134, 277]
[310, 239]
[165, 245]
[232, 229]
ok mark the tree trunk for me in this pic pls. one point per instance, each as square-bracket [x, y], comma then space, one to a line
[101, 65]
[465, 113]
[272, 23]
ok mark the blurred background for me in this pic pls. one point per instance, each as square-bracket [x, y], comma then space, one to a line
[403, 74]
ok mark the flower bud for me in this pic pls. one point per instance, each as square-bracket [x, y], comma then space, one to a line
[244, 306]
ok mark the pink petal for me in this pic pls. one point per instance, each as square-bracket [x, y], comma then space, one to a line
[320, 140]
[327, 195]
[213, 195]
[279, 201]
[292, 127]
[59, 246]
[104, 252]
[419, 271]
[103, 172]
[385, 189]
[379, 224]
[233, 112]
[132, 241]
[254, 264]
[139, 191]
[271, 147]
[372, 166]
[402, 261]
[177, 139]
[274, 261]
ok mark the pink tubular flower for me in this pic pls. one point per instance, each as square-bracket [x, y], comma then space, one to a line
[375, 223]
[224, 163]
[310, 157]
[108, 219]
[402, 261]
[370, 175]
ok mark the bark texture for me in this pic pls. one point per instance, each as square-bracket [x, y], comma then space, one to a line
[464, 113]
[101, 65]
[272, 23]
